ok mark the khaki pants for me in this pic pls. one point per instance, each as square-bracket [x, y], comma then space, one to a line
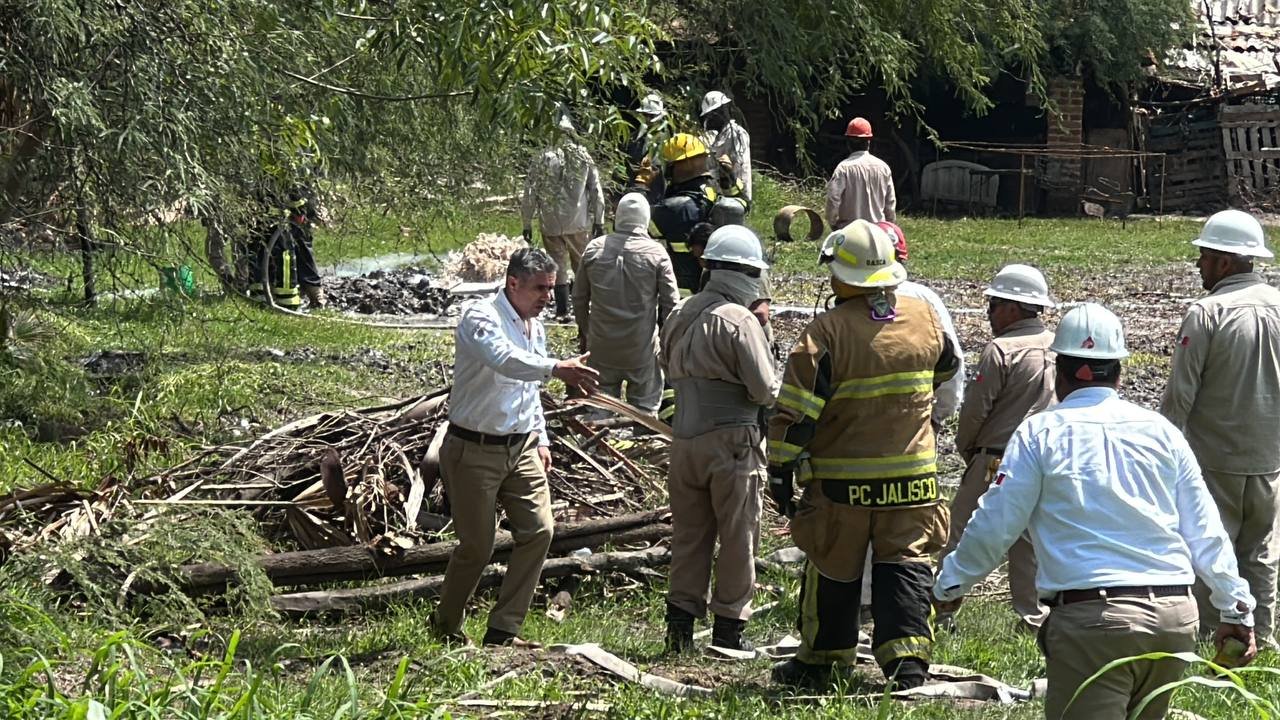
[477, 477]
[1248, 505]
[566, 250]
[1080, 638]
[714, 485]
[1022, 556]
[835, 538]
[644, 385]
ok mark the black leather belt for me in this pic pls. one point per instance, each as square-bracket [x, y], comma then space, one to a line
[1066, 597]
[997, 452]
[895, 492]
[484, 439]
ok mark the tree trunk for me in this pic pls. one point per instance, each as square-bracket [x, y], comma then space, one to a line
[354, 599]
[309, 567]
[85, 232]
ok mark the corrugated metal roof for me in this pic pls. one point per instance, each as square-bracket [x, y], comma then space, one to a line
[1246, 34]
[1259, 12]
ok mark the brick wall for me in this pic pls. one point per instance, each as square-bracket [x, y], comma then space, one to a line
[1061, 177]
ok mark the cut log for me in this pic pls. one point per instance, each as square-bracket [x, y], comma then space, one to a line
[356, 599]
[362, 563]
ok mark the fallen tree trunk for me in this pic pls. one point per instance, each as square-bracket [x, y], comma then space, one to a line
[309, 567]
[356, 599]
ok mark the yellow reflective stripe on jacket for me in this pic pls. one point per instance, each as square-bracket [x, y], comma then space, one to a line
[906, 647]
[679, 247]
[781, 452]
[667, 408]
[800, 400]
[903, 383]
[838, 468]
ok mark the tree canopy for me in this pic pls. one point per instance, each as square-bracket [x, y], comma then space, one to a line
[131, 105]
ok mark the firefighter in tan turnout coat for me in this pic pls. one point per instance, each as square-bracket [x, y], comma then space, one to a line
[852, 426]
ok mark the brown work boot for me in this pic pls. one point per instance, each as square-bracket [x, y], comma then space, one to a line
[315, 295]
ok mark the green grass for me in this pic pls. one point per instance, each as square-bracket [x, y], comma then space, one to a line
[211, 376]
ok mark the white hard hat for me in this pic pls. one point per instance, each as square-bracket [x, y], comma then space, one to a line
[861, 254]
[712, 100]
[1236, 232]
[563, 120]
[652, 105]
[735, 244]
[1090, 331]
[1020, 283]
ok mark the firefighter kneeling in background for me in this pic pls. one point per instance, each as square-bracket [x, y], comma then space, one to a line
[852, 427]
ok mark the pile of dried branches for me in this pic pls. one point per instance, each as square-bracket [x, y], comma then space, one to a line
[54, 512]
[371, 476]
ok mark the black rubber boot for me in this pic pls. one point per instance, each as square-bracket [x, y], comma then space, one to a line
[562, 301]
[727, 633]
[679, 630]
[906, 673]
[801, 675]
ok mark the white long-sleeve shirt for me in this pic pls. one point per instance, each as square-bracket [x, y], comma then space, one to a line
[946, 397]
[563, 190]
[1111, 496]
[499, 366]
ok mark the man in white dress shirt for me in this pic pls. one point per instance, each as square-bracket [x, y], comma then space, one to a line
[1122, 524]
[497, 450]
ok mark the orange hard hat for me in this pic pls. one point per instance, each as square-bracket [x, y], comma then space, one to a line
[899, 238]
[858, 128]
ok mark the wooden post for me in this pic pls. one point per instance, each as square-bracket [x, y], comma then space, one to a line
[1163, 172]
[1022, 185]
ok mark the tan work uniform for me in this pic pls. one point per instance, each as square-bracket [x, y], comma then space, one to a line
[625, 289]
[1014, 379]
[861, 188]
[1224, 394]
[715, 356]
[853, 423]
[563, 190]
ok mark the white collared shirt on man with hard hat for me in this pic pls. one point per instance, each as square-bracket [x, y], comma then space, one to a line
[1224, 394]
[1122, 524]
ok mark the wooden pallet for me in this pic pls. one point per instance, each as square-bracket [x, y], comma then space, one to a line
[1192, 175]
[1251, 149]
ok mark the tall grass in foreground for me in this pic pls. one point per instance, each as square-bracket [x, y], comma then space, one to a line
[1230, 681]
[118, 683]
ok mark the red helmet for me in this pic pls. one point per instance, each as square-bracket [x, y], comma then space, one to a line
[899, 238]
[858, 128]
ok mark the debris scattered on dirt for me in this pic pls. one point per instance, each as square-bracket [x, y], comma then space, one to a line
[402, 291]
[23, 280]
[108, 364]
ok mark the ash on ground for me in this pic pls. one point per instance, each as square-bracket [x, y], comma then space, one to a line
[402, 291]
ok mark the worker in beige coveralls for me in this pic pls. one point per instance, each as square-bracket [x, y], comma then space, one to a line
[716, 357]
[1014, 379]
[1224, 394]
